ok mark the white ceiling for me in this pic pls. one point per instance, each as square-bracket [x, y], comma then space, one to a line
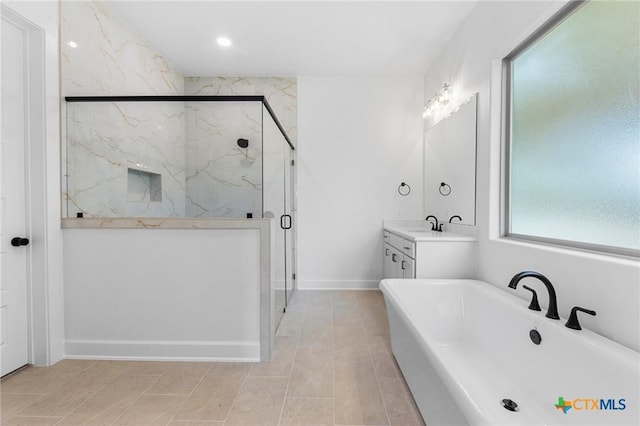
[290, 38]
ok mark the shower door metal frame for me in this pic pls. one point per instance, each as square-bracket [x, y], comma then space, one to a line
[187, 98]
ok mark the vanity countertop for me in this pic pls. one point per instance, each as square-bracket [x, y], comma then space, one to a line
[420, 234]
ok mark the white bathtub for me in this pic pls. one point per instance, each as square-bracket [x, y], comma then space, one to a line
[463, 346]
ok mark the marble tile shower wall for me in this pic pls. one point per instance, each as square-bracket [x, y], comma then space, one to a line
[126, 159]
[222, 178]
[110, 58]
[156, 159]
[281, 93]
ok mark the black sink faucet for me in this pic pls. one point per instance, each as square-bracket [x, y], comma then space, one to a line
[552, 311]
[434, 227]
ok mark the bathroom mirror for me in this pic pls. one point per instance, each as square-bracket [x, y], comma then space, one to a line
[450, 166]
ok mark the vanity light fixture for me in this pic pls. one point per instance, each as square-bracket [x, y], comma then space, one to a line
[437, 101]
[72, 44]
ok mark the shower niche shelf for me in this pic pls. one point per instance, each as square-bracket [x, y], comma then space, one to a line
[143, 186]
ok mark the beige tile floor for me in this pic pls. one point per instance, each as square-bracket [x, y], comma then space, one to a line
[332, 366]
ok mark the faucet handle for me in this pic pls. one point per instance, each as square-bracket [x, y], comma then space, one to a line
[534, 305]
[573, 317]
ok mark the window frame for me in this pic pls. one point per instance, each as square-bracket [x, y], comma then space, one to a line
[506, 106]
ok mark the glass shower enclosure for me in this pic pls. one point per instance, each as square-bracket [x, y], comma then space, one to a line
[183, 157]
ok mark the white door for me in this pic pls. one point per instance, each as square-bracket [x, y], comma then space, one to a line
[13, 257]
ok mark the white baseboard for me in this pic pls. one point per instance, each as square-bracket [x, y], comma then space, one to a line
[162, 350]
[338, 285]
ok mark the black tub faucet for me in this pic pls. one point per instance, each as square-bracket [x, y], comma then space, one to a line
[573, 318]
[552, 311]
[434, 226]
[534, 305]
[455, 216]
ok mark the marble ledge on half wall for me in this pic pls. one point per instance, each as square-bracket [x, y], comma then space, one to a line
[404, 224]
[165, 223]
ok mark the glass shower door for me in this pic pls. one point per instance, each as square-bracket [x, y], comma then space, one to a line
[276, 178]
[289, 230]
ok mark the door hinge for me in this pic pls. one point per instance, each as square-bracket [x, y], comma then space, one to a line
[293, 275]
[293, 162]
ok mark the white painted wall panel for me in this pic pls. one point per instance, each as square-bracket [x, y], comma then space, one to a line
[360, 137]
[165, 289]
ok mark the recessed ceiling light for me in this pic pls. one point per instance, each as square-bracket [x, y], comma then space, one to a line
[72, 44]
[224, 41]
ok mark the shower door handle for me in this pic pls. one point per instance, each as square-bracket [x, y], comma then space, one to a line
[284, 224]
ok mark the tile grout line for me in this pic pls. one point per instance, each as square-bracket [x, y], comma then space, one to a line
[375, 370]
[333, 364]
[89, 396]
[124, 411]
[295, 354]
[187, 396]
[286, 393]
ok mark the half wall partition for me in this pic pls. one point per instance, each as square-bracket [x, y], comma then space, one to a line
[204, 157]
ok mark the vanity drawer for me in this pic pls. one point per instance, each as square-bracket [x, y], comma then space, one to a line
[405, 246]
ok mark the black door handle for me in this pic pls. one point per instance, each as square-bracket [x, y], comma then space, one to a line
[19, 241]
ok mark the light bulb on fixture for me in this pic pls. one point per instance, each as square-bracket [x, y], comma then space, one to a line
[437, 101]
[224, 41]
[443, 94]
[72, 44]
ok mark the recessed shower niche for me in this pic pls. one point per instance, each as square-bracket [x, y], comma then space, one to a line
[143, 186]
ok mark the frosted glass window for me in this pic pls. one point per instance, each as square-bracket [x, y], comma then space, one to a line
[574, 131]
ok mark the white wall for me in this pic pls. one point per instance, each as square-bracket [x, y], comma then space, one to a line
[607, 284]
[360, 137]
[47, 317]
[162, 293]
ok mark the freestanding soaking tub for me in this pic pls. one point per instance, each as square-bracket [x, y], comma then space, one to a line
[466, 350]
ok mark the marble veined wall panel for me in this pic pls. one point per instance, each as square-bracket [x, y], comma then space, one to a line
[126, 159]
[102, 55]
[281, 92]
[222, 178]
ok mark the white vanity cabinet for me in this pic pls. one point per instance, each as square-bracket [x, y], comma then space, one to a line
[399, 261]
[426, 254]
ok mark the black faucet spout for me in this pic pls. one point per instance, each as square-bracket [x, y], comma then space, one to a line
[552, 311]
[434, 226]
